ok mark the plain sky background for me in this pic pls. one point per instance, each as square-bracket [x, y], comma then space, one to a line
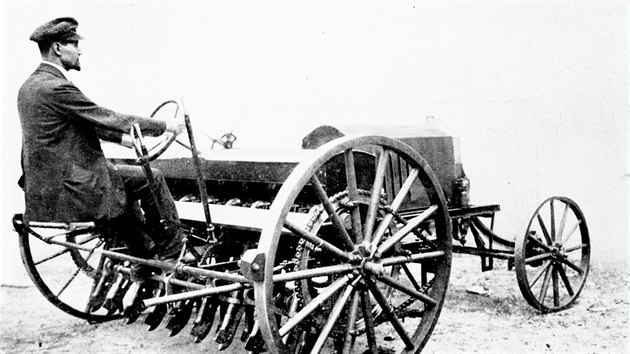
[536, 91]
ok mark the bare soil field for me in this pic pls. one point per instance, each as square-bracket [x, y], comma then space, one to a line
[497, 322]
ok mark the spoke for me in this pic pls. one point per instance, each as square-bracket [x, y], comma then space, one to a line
[351, 180]
[417, 257]
[538, 257]
[317, 241]
[400, 197]
[538, 242]
[562, 222]
[532, 238]
[565, 280]
[52, 256]
[410, 276]
[539, 274]
[351, 324]
[332, 214]
[400, 286]
[570, 233]
[574, 248]
[556, 290]
[544, 287]
[552, 213]
[313, 305]
[544, 229]
[369, 321]
[332, 318]
[63, 288]
[337, 269]
[66, 250]
[376, 195]
[403, 232]
[390, 314]
[572, 266]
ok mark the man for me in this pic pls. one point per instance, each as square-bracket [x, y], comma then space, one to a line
[66, 177]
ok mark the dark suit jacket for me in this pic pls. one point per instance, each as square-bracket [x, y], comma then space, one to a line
[66, 175]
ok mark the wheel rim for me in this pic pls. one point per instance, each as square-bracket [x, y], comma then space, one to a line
[157, 145]
[66, 277]
[353, 294]
[552, 257]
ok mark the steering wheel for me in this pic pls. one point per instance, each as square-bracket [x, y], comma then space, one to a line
[161, 143]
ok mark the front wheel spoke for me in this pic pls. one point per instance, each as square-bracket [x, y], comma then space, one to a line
[313, 305]
[544, 229]
[332, 214]
[570, 233]
[332, 318]
[539, 243]
[405, 230]
[538, 257]
[388, 311]
[545, 286]
[317, 241]
[539, 274]
[573, 249]
[565, 280]
[403, 288]
[572, 266]
[556, 290]
[552, 215]
[563, 221]
[375, 198]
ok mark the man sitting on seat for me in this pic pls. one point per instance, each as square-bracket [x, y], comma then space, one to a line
[66, 177]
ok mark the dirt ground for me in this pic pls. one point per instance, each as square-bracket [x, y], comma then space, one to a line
[499, 322]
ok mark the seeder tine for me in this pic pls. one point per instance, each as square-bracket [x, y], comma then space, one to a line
[180, 317]
[114, 299]
[142, 292]
[201, 329]
[249, 323]
[99, 295]
[229, 327]
[154, 318]
[255, 342]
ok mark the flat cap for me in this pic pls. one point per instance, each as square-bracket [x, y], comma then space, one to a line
[59, 29]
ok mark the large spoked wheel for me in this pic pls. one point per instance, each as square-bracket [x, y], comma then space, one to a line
[69, 278]
[157, 145]
[370, 274]
[552, 258]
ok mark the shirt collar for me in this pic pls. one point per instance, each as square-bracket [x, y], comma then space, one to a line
[63, 71]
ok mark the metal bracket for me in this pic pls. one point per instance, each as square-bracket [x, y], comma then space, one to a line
[252, 265]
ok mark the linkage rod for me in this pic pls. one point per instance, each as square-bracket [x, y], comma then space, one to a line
[201, 182]
[193, 294]
[153, 263]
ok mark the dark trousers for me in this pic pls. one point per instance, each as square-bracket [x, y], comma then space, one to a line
[141, 225]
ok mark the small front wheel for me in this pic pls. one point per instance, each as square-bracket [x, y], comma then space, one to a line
[552, 257]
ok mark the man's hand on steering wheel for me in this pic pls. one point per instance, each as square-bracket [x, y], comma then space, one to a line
[176, 125]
